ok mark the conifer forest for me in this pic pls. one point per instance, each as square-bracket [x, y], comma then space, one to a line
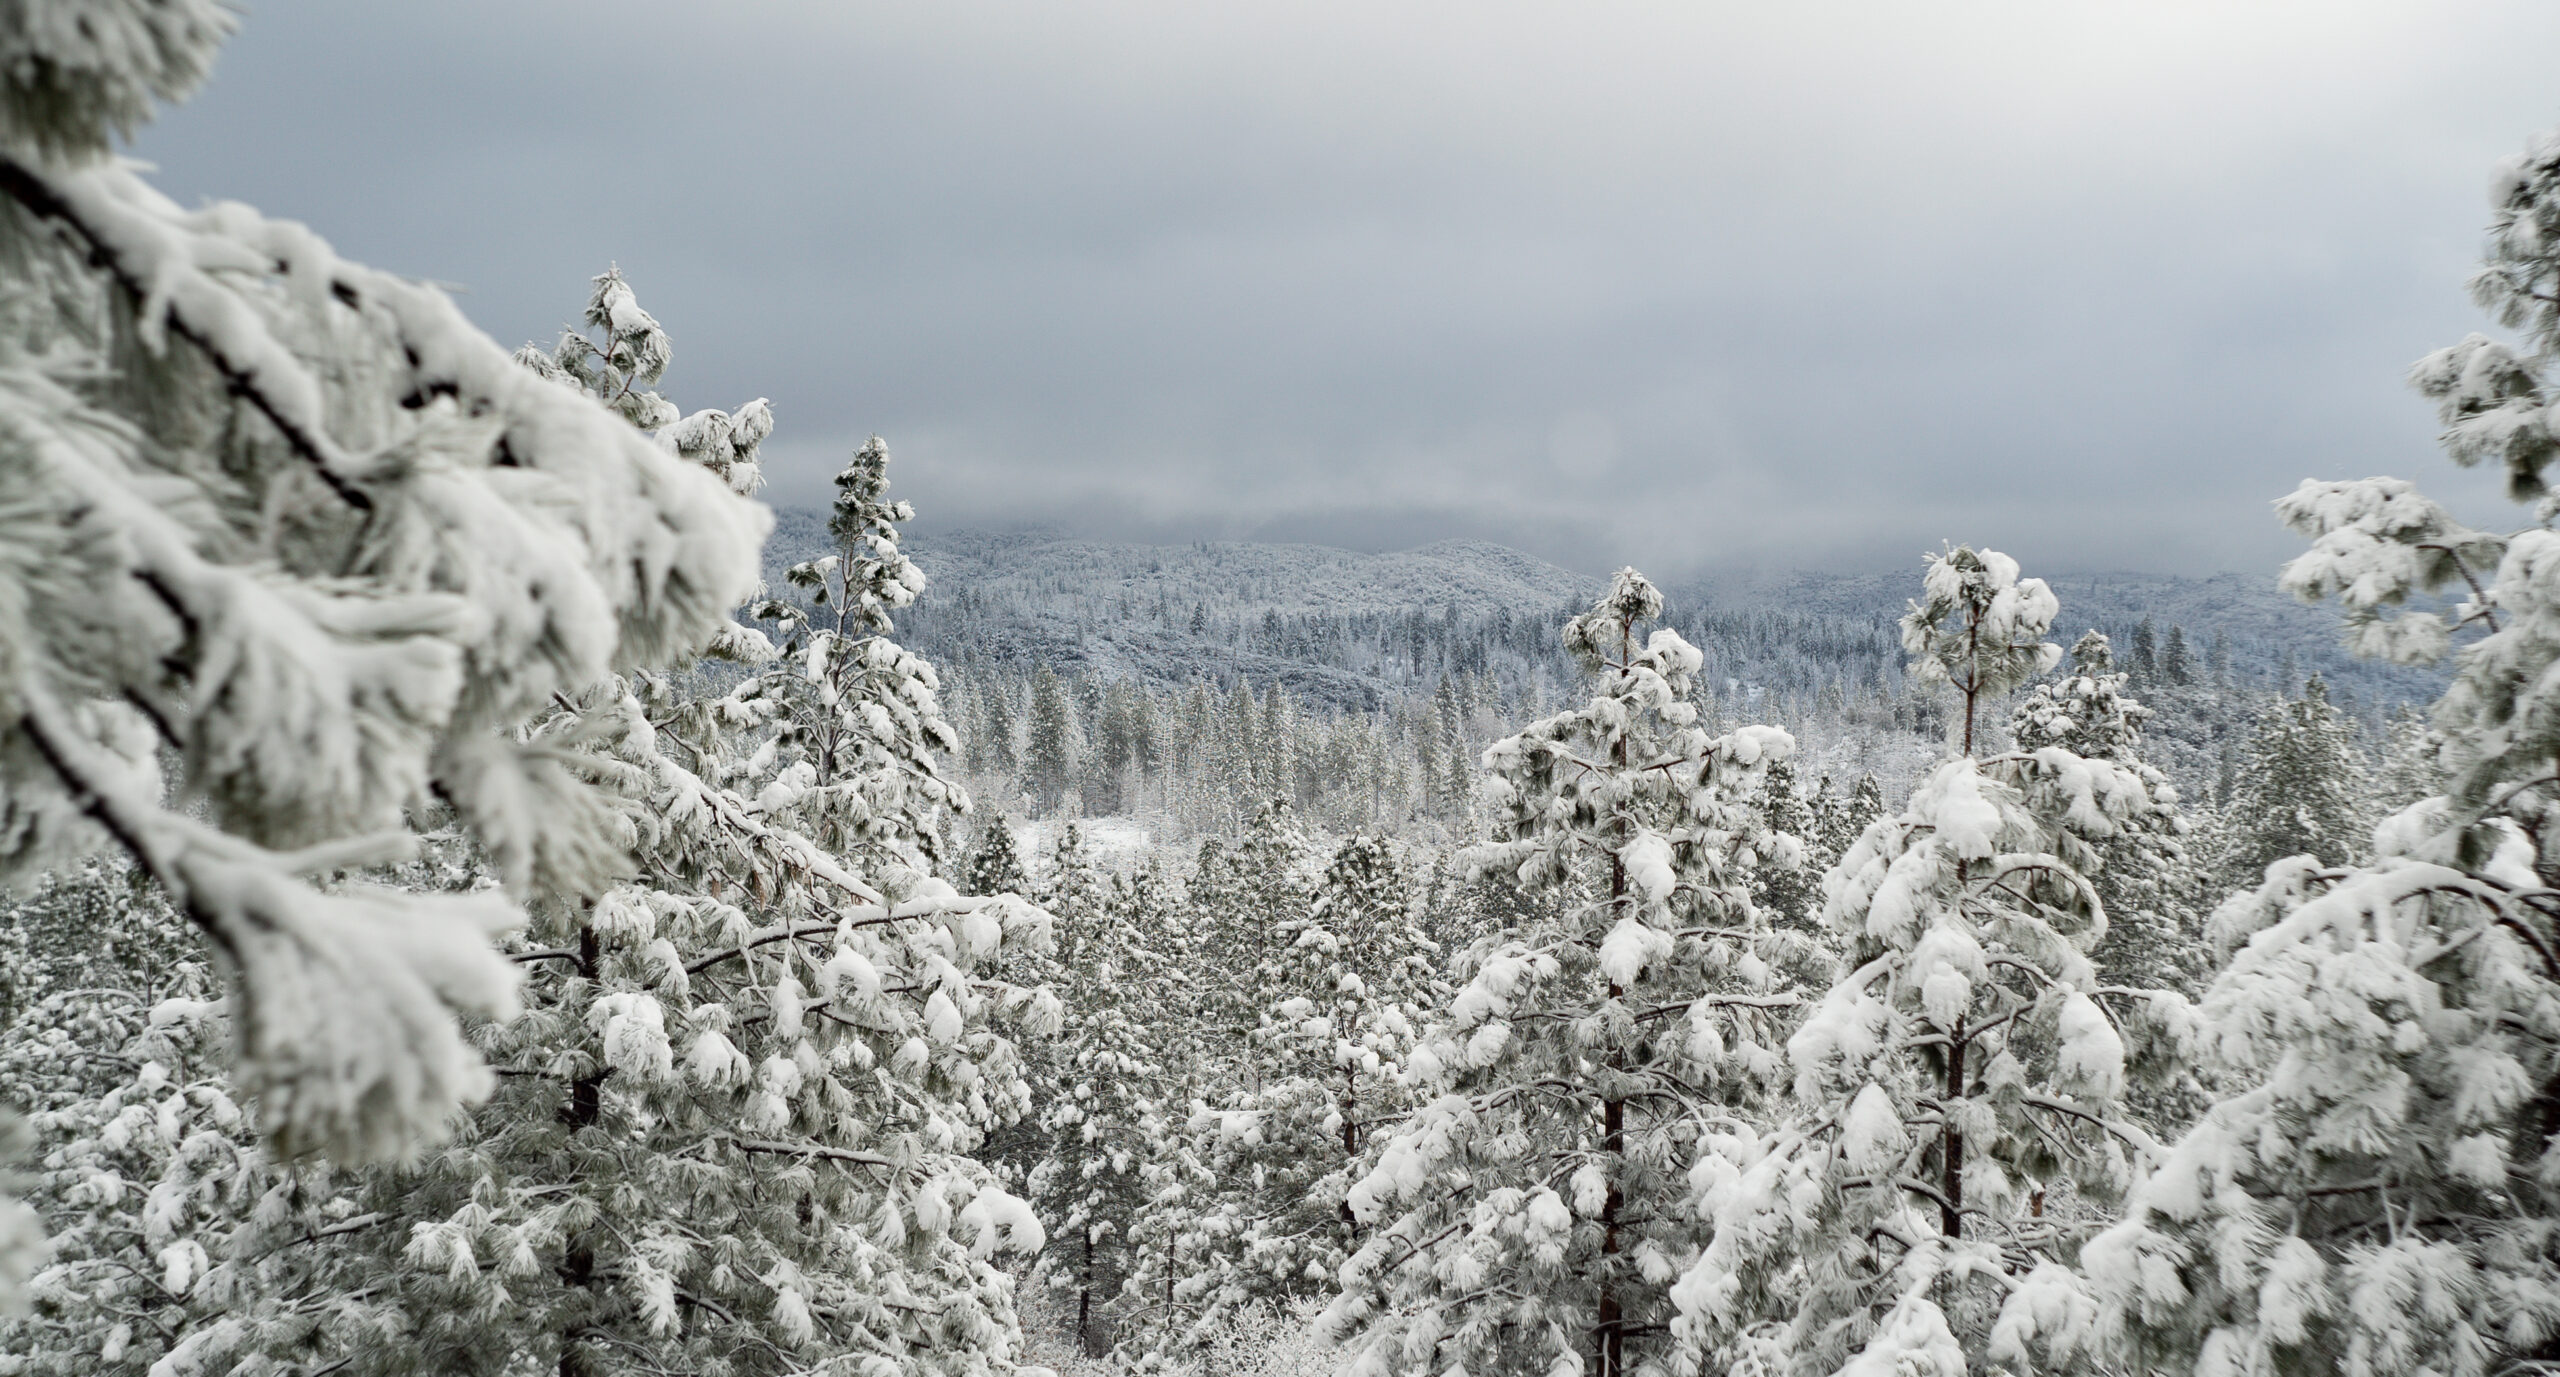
[487, 887]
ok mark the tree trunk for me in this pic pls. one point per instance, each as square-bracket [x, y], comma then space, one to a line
[1084, 1301]
[1951, 1175]
[578, 1258]
[1609, 1347]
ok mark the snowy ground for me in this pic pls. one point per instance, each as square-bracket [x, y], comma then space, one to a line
[1118, 843]
[1276, 1346]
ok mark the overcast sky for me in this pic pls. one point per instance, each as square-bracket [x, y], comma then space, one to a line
[1692, 285]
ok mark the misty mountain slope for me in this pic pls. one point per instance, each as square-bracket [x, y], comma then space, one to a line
[1334, 626]
[1347, 631]
[2271, 636]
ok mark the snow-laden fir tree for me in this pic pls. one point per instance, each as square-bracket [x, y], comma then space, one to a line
[172, 1235]
[1246, 900]
[1048, 760]
[2409, 771]
[1526, 1217]
[854, 757]
[1965, 1069]
[2375, 1194]
[995, 866]
[1840, 819]
[1344, 998]
[177, 1245]
[1792, 896]
[2144, 878]
[2303, 788]
[293, 527]
[1095, 1082]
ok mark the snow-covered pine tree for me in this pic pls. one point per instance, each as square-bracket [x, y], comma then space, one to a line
[995, 866]
[2146, 883]
[2304, 788]
[1112, 771]
[1096, 1082]
[1792, 896]
[171, 1233]
[294, 527]
[1344, 999]
[1842, 819]
[733, 1126]
[1245, 903]
[1965, 1065]
[2177, 666]
[2409, 770]
[177, 1244]
[2375, 1193]
[1526, 1218]
[1048, 758]
[853, 760]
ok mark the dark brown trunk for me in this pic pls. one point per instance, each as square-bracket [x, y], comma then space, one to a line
[578, 1260]
[1350, 1145]
[1951, 1176]
[1084, 1301]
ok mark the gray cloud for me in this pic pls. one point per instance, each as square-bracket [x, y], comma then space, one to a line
[1689, 285]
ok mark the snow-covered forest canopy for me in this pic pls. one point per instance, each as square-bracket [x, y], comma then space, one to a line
[483, 894]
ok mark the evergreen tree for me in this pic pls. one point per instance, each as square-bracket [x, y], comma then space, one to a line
[1843, 820]
[1790, 896]
[2177, 666]
[1048, 761]
[2144, 879]
[1117, 751]
[1346, 996]
[995, 867]
[1966, 1063]
[858, 730]
[1096, 1081]
[996, 720]
[2303, 788]
[2409, 770]
[2374, 1191]
[1526, 1216]
[734, 1124]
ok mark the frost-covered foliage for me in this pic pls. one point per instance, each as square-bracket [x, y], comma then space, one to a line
[1525, 1217]
[1793, 895]
[178, 1246]
[292, 526]
[2303, 789]
[855, 758]
[1963, 1074]
[1345, 994]
[2376, 1193]
[734, 1126]
[995, 863]
[2145, 880]
[1098, 1081]
[171, 1233]
[733, 1123]
[1247, 900]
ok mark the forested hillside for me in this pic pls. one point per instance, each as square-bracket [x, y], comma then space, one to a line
[1392, 670]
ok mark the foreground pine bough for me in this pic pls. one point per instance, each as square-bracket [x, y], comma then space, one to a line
[295, 526]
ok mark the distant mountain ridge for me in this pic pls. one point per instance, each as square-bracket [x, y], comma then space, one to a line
[1224, 576]
[1262, 612]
